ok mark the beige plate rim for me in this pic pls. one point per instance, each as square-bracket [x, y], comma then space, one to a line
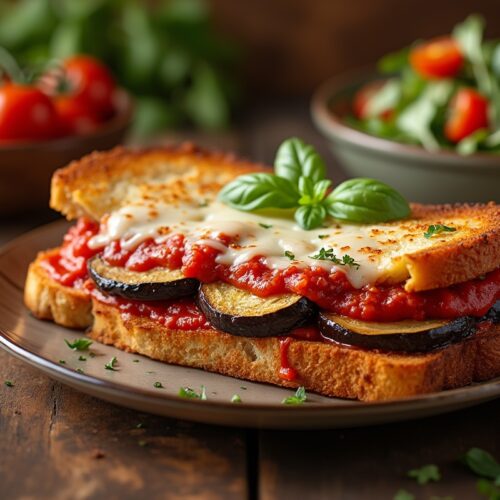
[320, 413]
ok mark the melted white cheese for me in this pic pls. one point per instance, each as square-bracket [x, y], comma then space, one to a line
[374, 247]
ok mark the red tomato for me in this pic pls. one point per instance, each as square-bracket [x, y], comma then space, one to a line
[362, 99]
[468, 112]
[26, 113]
[75, 117]
[87, 80]
[438, 58]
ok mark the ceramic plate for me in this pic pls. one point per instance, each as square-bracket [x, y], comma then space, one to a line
[42, 345]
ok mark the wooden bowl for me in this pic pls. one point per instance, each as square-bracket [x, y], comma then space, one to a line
[27, 167]
[420, 175]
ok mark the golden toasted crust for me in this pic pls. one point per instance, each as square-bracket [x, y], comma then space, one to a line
[102, 182]
[472, 251]
[47, 299]
[329, 369]
[99, 182]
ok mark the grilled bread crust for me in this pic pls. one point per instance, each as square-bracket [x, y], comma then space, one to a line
[47, 299]
[102, 182]
[329, 369]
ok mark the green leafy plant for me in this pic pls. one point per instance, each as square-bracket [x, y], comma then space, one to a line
[484, 465]
[112, 364]
[165, 52]
[417, 106]
[186, 392]
[300, 397]
[329, 254]
[425, 474]
[299, 183]
[434, 229]
[79, 344]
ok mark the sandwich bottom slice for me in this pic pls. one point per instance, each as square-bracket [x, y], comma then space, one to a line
[331, 369]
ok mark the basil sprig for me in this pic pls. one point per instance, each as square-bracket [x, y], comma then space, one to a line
[299, 183]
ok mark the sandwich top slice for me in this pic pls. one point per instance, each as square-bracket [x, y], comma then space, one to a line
[156, 253]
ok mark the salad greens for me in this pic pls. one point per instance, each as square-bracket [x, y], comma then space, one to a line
[165, 52]
[447, 98]
[299, 183]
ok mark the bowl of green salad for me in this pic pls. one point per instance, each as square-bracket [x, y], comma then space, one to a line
[427, 120]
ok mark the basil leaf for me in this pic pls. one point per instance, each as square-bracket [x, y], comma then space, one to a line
[482, 463]
[306, 189]
[310, 216]
[254, 191]
[366, 201]
[295, 158]
[320, 189]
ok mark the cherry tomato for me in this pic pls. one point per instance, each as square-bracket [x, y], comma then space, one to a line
[362, 99]
[75, 117]
[468, 112]
[87, 80]
[26, 113]
[438, 58]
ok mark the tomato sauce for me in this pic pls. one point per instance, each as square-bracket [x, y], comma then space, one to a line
[178, 314]
[331, 291]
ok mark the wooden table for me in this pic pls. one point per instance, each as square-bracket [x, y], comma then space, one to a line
[58, 443]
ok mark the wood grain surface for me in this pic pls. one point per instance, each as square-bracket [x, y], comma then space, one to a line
[56, 443]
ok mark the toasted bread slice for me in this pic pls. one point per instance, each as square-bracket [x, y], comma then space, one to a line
[329, 369]
[103, 182]
[47, 299]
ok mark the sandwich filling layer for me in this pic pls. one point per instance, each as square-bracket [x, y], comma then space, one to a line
[228, 255]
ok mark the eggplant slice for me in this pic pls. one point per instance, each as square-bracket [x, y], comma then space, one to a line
[156, 284]
[242, 313]
[405, 336]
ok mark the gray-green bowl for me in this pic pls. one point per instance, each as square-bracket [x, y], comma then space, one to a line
[420, 175]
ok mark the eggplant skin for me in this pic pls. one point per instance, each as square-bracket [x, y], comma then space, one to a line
[494, 313]
[292, 312]
[421, 342]
[157, 284]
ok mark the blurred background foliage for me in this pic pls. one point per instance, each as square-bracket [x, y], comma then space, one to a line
[165, 52]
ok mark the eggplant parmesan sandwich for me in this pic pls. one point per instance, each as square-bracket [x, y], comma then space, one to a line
[276, 275]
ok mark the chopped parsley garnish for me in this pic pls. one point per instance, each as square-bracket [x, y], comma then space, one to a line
[62, 362]
[149, 373]
[434, 229]
[329, 254]
[158, 385]
[289, 254]
[79, 344]
[112, 364]
[265, 226]
[236, 399]
[203, 204]
[82, 358]
[135, 361]
[404, 495]
[8, 383]
[242, 387]
[79, 370]
[186, 392]
[425, 474]
[298, 398]
[322, 236]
